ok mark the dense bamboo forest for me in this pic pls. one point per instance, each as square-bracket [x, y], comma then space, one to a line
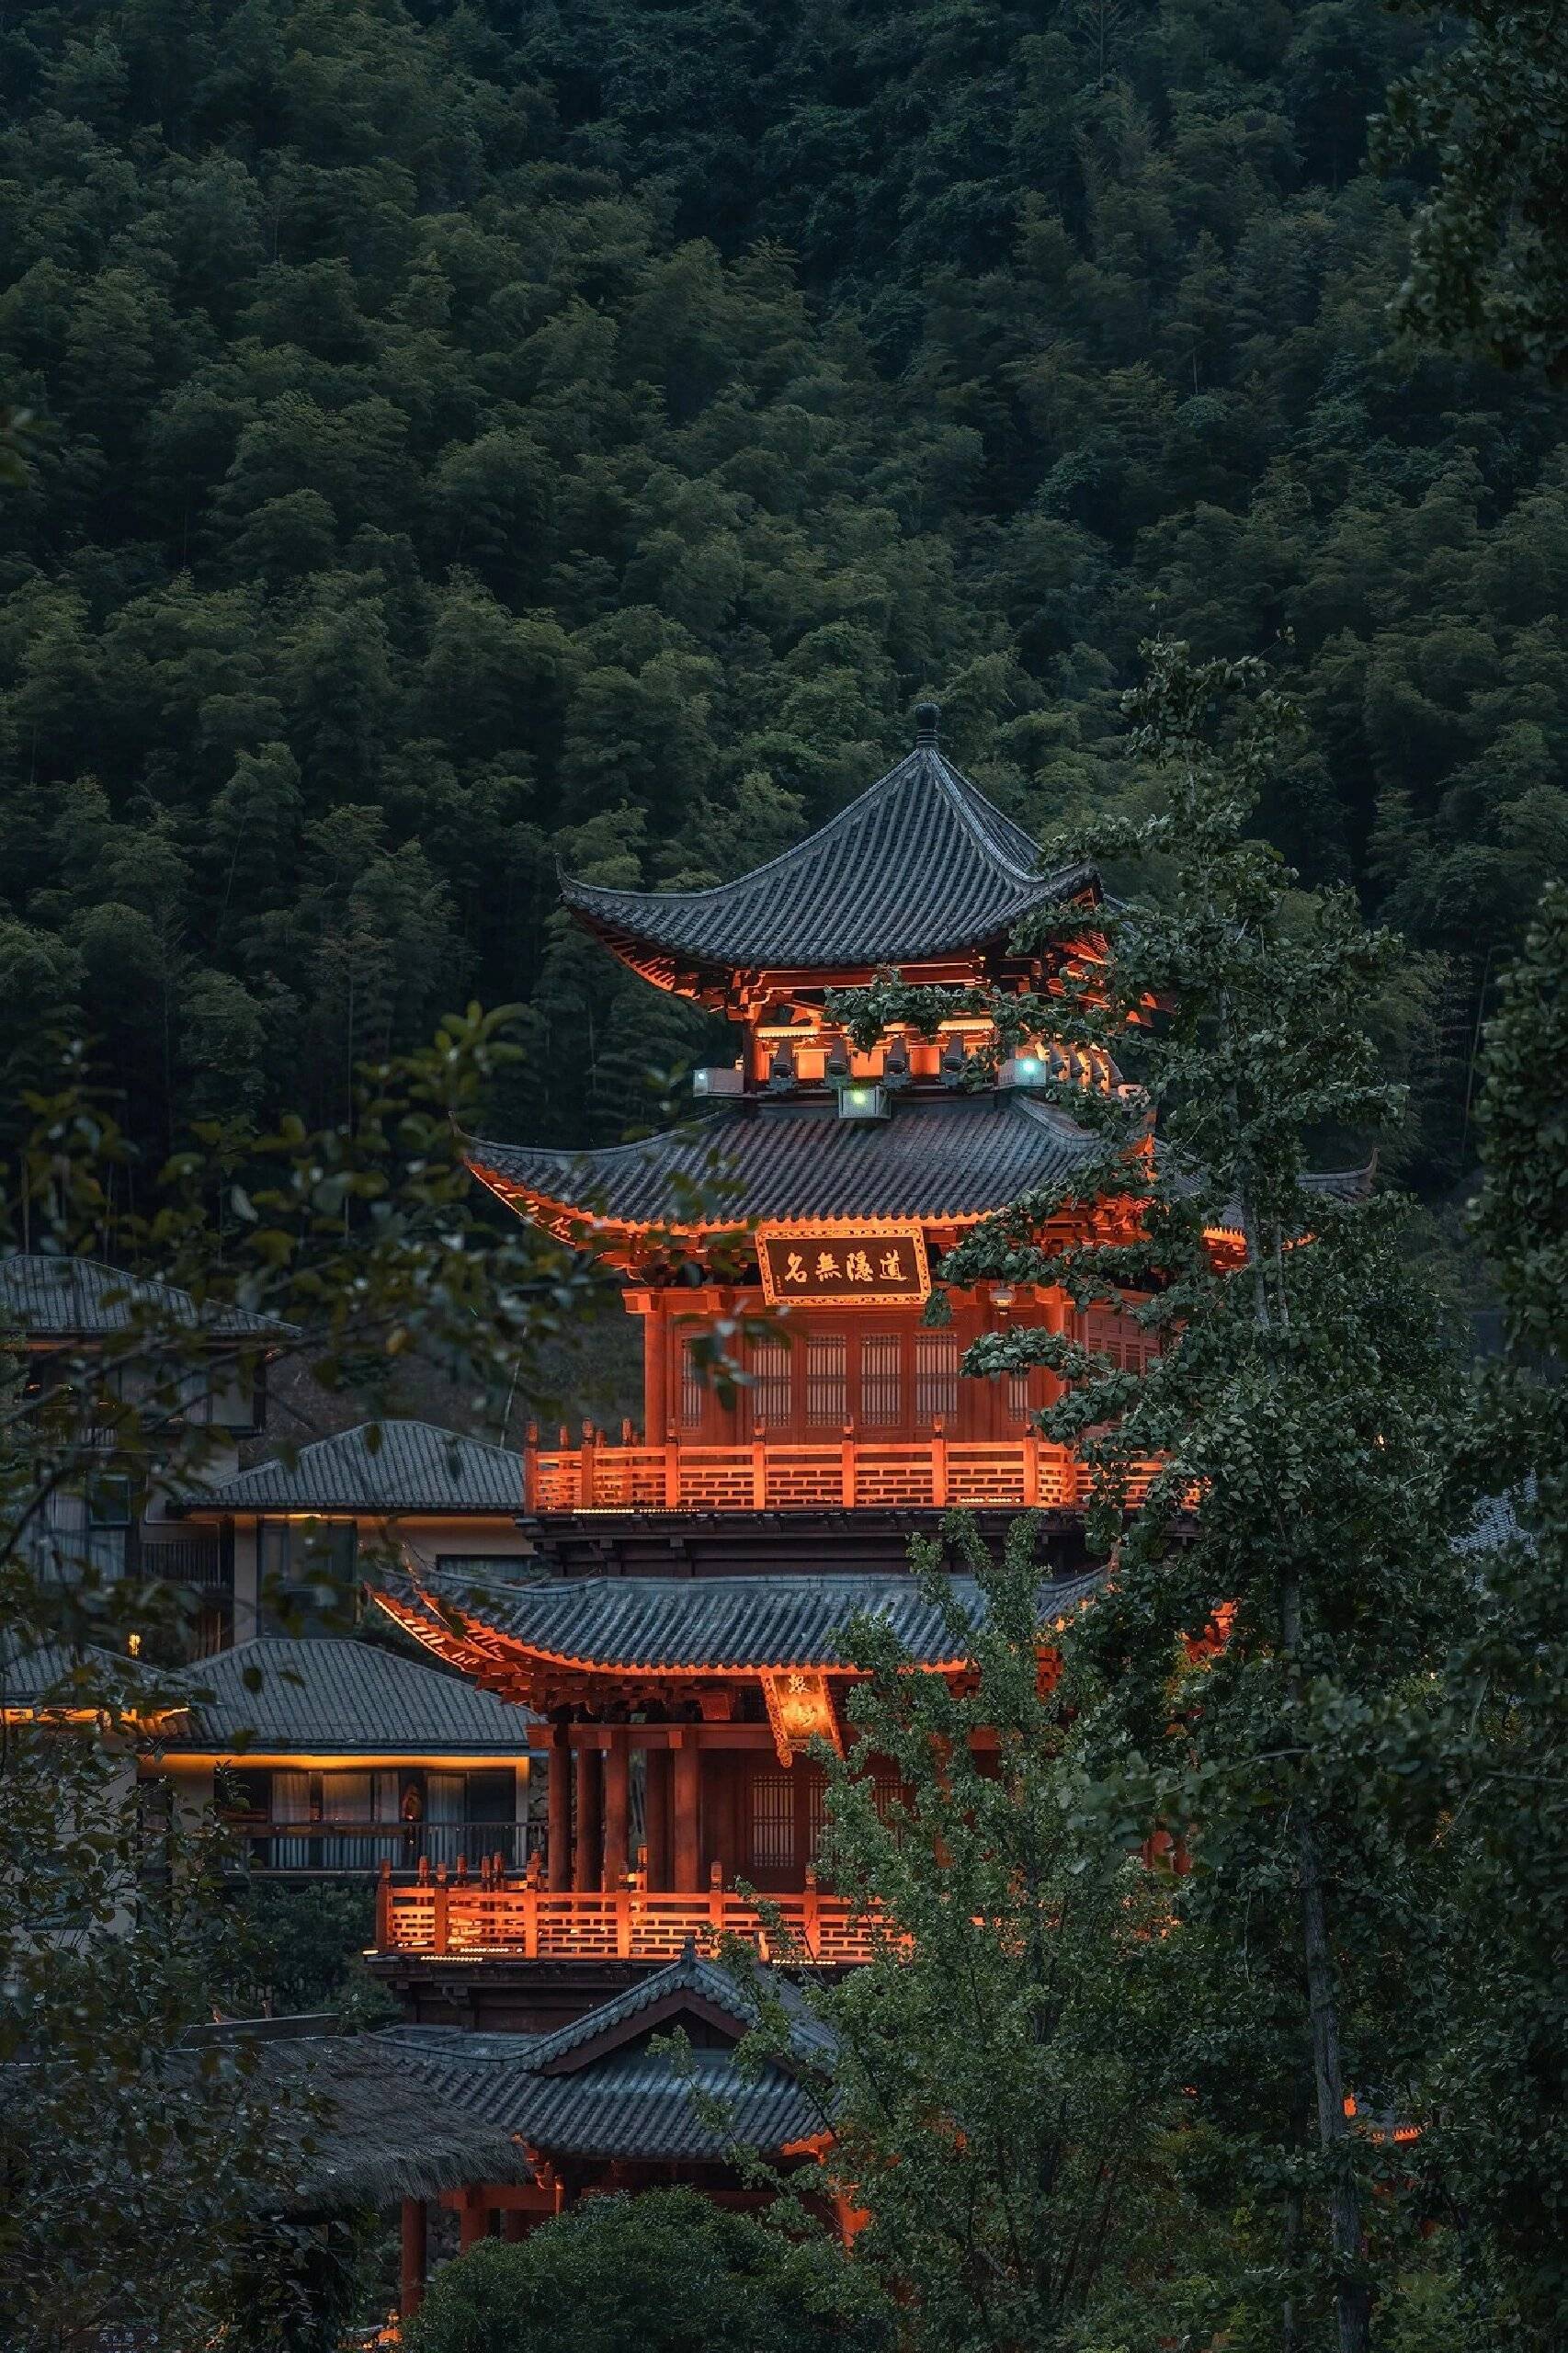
[477, 441]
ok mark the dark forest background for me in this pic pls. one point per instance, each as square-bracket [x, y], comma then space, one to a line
[488, 438]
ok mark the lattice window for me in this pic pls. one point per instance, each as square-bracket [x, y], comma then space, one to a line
[827, 1401]
[772, 1396]
[1129, 1347]
[772, 1822]
[691, 1386]
[1019, 1404]
[882, 1380]
[936, 1375]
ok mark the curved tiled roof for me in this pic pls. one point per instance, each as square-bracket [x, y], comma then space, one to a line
[387, 1466]
[635, 2105]
[83, 1299]
[922, 865]
[328, 1695]
[959, 1156]
[627, 2101]
[726, 1624]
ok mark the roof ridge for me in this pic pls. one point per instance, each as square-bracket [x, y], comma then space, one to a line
[964, 799]
[958, 788]
[721, 1117]
[780, 857]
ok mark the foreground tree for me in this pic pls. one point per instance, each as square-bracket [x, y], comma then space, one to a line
[1286, 1566]
[1494, 1753]
[664, 2272]
[136, 2161]
[998, 2093]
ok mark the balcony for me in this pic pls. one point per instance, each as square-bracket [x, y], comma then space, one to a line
[848, 1473]
[445, 1916]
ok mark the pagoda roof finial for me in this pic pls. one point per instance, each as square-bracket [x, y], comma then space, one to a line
[927, 720]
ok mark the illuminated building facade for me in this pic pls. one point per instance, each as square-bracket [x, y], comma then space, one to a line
[683, 1643]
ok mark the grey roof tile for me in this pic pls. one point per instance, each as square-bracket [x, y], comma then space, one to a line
[415, 1467]
[921, 865]
[83, 1299]
[636, 2104]
[632, 2102]
[32, 1670]
[736, 1623]
[959, 1156]
[332, 1696]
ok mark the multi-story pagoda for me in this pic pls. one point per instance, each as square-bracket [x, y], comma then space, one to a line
[684, 1643]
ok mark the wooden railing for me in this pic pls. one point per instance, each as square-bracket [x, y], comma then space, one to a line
[770, 1474]
[444, 1916]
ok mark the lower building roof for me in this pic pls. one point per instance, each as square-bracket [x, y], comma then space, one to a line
[379, 1467]
[627, 2099]
[55, 1296]
[638, 2106]
[728, 1624]
[330, 1695]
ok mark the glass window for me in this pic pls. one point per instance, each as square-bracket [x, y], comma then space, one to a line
[827, 1401]
[882, 1380]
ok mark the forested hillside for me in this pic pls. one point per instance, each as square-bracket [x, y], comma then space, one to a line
[485, 437]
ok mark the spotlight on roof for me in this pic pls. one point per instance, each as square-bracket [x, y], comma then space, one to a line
[725, 1078]
[1023, 1070]
[863, 1103]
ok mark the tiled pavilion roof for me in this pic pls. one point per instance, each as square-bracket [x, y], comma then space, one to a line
[922, 866]
[953, 1157]
[729, 1625]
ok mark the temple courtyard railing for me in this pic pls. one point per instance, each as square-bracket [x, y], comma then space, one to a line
[852, 1472]
[486, 1911]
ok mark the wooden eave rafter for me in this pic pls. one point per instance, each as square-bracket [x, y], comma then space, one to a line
[545, 1680]
[621, 1241]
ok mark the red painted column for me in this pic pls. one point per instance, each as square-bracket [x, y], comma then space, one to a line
[617, 1799]
[658, 1817]
[590, 1821]
[689, 1812]
[560, 1802]
[656, 1384]
[410, 2278]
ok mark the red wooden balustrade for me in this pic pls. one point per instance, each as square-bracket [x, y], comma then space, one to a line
[464, 1915]
[850, 1473]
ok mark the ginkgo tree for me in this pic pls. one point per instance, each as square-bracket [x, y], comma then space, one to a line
[1276, 1490]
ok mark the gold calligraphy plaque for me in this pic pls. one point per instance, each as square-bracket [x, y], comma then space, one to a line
[884, 1265]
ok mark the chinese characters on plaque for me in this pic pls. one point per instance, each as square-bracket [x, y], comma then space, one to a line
[800, 1709]
[886, 1265]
